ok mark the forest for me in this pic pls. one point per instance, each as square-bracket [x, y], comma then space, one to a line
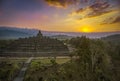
[91, 60]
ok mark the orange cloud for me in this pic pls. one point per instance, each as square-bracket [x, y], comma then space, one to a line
[111, 20]
[96, 9]
[61, 3]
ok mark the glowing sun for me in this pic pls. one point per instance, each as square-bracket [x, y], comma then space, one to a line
[86, 30]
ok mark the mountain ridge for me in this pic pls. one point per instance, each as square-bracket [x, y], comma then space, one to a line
[13, 32]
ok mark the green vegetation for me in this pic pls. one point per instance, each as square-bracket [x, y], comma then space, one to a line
[91, 60]
[9, 68]
[48, 60]
[4, 43]
[115, 39]
[94, 60]
[41, 68]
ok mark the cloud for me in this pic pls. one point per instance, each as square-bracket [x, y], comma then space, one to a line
[111, 20]
[61, 3]
[100, 6]
[96, 9]
[116, 20]
[65, 3]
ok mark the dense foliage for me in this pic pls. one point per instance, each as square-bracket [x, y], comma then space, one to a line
[94, 60]
[91, 60]
[9, 69]
[115, 39]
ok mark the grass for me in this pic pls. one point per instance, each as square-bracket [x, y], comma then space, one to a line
[13, 60]
[48, 60]
[44, 68]
[9, 68]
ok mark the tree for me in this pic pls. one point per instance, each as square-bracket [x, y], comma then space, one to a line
[53, 61]
[100, 61]
[94, 61]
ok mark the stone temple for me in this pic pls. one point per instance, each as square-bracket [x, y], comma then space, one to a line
[38, 45]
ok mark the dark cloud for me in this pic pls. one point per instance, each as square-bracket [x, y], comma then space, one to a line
[65, 3]
[111, 20]
[80, 10]
[61, 3]
[96, 9]
[116, 20]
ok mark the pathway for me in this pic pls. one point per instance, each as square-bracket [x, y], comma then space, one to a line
[21, 74]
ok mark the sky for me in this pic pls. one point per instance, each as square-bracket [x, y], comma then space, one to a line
[62, 15]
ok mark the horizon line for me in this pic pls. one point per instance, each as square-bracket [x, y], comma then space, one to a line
[58, 31]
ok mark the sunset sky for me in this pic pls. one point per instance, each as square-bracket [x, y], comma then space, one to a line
[62, 15]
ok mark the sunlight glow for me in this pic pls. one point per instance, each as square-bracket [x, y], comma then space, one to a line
[86, 29]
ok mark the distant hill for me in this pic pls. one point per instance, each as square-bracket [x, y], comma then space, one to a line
[113, 38]
[15, 33]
